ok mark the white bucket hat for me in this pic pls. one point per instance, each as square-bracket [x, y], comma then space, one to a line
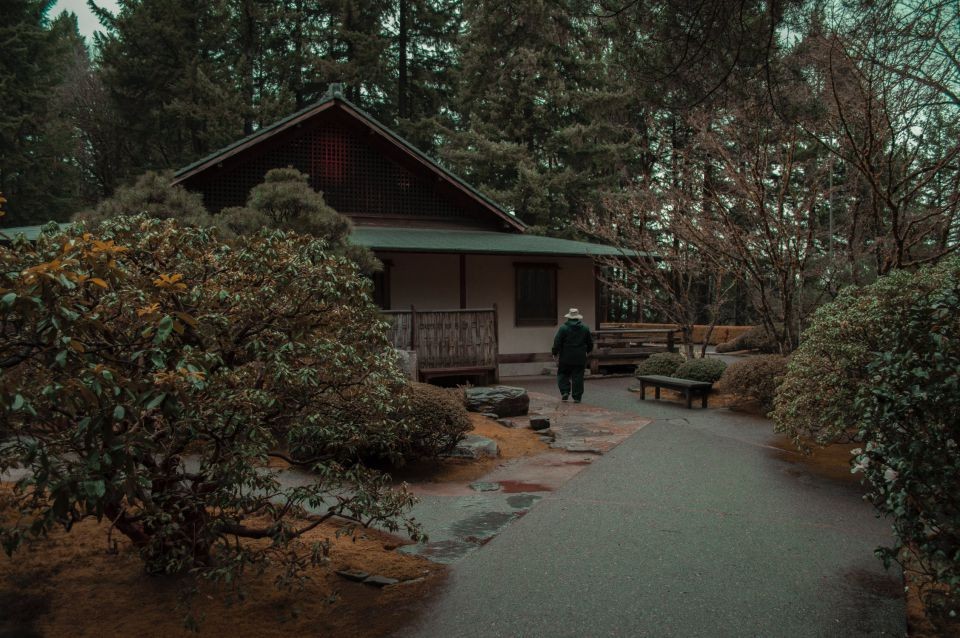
[573, 314]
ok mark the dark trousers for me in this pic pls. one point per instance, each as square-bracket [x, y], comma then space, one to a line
[570, 375]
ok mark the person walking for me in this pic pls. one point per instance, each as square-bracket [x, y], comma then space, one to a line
[570, 348]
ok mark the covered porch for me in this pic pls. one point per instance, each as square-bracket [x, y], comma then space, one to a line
[478, 303]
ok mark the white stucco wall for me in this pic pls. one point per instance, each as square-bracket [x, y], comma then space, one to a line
[433, 282]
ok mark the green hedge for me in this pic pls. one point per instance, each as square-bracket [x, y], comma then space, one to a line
[662, 363]
[709, 370]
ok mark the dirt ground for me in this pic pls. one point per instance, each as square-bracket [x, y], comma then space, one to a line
[513, 443]
[72, 585]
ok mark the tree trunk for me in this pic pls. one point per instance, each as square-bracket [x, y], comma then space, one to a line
[403, 86]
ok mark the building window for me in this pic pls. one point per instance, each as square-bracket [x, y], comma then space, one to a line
[381, 287]
[536, 291]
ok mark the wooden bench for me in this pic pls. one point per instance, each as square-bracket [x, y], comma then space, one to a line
[690, 389]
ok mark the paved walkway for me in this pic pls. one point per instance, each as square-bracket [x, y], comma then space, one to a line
[461, 517]
[693, 526]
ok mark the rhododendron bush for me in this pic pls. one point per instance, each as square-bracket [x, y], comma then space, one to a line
[148, 372]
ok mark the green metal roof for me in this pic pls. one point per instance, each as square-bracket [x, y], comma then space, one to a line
[435, 240]
[431, 240]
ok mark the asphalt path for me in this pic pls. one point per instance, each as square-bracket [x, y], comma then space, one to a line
[694, 526]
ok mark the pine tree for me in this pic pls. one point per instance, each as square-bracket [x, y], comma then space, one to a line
[536, 123]
[38, 172]
[174, 88]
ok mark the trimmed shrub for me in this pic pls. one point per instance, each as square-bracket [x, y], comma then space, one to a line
[708, 370]
[662, 363]
[815, 401]
[880, 364]
[727, 346]
[756, 338]
[433, 421]
[755, 378]
[910, 400]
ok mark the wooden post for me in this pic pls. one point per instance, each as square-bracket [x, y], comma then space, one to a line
[413, 327]
[463, 281]
[496, 345]
[670, 346]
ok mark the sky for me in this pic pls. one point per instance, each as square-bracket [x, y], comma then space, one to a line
[88, 23]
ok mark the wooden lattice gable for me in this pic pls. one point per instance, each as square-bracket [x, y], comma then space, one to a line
[363, 169]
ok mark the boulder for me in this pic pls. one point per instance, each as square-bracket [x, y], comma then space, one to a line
[380, 581]
[502, 400]
[539, 423]
[474, 446]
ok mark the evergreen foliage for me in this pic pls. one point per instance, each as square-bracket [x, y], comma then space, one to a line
[662, 363]
[755, 378]
[153, 195]
[708, 370]
[880, 363]
[910, 400]
[827, 371]
[284, 200]
[37, 146]
[126, 351]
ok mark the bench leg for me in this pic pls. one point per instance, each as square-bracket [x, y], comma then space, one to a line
[704, 403]
[686, 394]
[643, 391]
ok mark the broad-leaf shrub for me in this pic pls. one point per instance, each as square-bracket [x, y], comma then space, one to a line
[147, 373]
[431, 421]
[825, 373]
[662, 363]
[910, 400]
[708, 370]
[755, 378]
[756, 338]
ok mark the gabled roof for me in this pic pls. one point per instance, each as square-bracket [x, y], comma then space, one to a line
[335, 99]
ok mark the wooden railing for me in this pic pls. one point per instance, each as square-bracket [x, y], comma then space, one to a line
[447, 341]
[624, 346]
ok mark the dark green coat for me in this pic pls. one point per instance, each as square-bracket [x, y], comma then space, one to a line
[572, 343]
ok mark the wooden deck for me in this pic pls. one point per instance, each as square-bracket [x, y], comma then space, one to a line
[462, 342]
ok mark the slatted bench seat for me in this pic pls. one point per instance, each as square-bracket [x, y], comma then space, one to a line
[690, 389]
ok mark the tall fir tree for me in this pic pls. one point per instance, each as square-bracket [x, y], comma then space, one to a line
[174, 88]
[39, 174]
[532, 98]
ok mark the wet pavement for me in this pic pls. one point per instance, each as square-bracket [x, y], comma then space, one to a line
[459, 518]
[698, 524]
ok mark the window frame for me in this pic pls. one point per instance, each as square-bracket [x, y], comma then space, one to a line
[384, 288]
[526, 322]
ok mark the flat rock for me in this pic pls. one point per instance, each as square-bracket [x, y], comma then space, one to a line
[490, 415]
[380, 581]
[507, 423]
[539, 423]
[474, 446]
[482, 486]
[502, 400]
[577, 448]
[355, 575]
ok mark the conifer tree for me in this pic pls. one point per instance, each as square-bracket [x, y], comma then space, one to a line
[175, 92]
[38, 172]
